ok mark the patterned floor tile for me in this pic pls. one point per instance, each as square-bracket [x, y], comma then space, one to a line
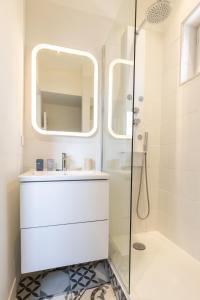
[29, 287]
[84, 281]
[83, 276]
[55, 282]
[103, 292]
[101, 270]
[60, 297]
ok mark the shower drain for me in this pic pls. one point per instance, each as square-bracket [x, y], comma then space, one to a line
[139, 246]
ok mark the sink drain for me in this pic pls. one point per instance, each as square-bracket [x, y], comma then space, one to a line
[139, 246]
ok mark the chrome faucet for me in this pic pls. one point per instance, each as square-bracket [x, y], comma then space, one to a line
[64, 161]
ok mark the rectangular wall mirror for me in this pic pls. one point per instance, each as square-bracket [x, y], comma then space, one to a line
[64, 91]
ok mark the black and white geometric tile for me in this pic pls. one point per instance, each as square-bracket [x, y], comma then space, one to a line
[55, 282]
[89, 281]
[29, 287]
[103, 292]
[82, 276]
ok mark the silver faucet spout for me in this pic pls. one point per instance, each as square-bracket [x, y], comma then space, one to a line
[64, 161]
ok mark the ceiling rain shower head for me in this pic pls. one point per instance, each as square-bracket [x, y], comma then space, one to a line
[156, 13]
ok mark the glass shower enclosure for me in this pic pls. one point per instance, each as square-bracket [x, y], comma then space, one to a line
[118, 72]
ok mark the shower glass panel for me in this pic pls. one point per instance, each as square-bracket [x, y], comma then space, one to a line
[118, 60]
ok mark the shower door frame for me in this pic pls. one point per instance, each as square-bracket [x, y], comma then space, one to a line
[132, 148]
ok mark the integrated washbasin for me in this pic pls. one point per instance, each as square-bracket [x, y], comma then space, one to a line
[33, 175]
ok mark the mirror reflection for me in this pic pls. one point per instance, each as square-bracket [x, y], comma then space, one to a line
[121, 98]
[65, 92]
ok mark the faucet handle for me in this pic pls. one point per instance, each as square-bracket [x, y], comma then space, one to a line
[64, 162]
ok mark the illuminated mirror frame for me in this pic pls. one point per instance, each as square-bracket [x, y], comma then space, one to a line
[35, 51]
[110, 96]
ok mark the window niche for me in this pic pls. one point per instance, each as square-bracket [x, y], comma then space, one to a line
[190, 46]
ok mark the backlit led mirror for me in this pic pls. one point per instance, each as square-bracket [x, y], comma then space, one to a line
[64, 91]
[120, 116]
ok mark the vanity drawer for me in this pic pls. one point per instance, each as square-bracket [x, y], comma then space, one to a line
[63, 202]
[56, 246]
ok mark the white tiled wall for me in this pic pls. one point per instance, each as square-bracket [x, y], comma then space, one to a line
[151, 121]
[179, 198]
[172, 118]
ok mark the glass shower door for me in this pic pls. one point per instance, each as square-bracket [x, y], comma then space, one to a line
[118, 58]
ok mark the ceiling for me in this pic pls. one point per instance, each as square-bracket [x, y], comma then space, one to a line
[107, 8]
[61, 99]
[104, 8]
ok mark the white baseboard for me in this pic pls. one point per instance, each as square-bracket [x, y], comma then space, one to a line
[12, 294]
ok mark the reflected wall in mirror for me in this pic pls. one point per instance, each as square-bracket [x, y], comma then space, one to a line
[120, 116]
[64, 91]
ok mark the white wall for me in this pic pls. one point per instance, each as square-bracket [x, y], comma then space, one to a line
[11, 95]
[179, 201]
[63, 117]
[47, 22]
[62, 82]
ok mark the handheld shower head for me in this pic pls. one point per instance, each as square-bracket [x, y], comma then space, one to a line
[145, 144]
[158, 11]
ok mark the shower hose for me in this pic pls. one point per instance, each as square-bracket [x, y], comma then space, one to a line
[143, 170]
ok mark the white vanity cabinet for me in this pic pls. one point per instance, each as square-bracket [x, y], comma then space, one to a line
[63, 221]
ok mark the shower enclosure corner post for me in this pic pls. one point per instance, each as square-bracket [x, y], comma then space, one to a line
[132, 147]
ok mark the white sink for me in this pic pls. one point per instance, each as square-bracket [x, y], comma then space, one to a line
[33, 175]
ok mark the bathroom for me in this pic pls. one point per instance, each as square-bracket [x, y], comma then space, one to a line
[127, 159]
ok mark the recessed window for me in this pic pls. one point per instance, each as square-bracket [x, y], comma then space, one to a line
[190, 48]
